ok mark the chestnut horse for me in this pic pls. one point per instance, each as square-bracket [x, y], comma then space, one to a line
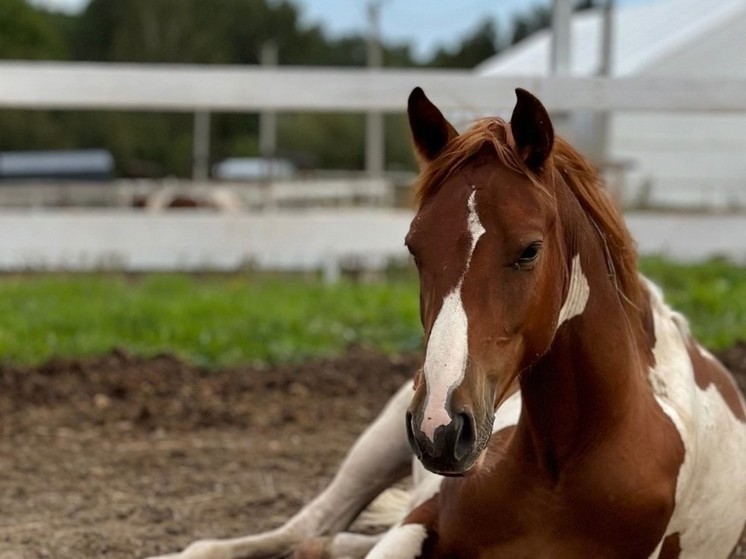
[563, 409]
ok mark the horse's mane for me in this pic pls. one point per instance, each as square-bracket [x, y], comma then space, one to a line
[566, 166]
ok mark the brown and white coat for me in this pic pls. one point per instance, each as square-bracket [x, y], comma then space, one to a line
[567, 407]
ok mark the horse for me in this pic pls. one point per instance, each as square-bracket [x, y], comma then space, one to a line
[563, 409]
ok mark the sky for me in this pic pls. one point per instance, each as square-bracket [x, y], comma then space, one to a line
[425, 24]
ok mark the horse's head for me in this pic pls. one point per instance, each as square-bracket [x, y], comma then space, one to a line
[493, 272]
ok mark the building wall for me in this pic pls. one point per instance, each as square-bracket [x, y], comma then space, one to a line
[682, 159]
[717, 54]
[689, 159]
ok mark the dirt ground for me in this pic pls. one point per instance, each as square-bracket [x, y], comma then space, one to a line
[121, 457]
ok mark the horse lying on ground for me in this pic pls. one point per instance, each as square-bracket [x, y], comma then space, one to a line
[563, 409]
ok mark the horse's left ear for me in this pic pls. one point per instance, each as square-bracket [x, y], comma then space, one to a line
[430, 129]
[532, 130]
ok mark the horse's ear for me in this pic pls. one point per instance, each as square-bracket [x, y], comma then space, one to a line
[430, 130]
[532, 130]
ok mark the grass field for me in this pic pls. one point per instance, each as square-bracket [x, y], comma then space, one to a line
[222, 320]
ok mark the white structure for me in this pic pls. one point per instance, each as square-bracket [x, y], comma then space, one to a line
[314, 239]
[673, 159]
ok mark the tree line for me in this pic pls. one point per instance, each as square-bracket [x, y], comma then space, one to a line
[214, 32]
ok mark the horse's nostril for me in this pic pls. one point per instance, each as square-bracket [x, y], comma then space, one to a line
[410, 436]
[466, 436]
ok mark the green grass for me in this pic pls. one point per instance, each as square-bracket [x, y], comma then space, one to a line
[711, 295]
[222, 320]
[210, 321]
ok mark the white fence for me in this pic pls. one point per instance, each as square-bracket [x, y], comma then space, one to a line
[160, 87]
[198, 240]
[312, 239]
[316, 239]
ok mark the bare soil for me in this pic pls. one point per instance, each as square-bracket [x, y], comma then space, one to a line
[123, 457]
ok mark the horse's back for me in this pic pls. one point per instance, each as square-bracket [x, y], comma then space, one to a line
[701, 398]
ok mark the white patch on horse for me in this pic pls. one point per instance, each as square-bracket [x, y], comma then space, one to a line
[425, 484]
[447, 347]
[577, 293]
[508, 412]
[476, 229]
[710, 493]
[401, 542]
[445, 361]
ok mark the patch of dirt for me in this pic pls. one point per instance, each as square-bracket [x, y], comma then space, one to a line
[122, 457]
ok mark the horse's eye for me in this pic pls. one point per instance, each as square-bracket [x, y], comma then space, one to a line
[528, 256]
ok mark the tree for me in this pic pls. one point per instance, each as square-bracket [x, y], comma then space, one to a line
[219, 31]
[540, 17]
[210, 32]
[27, 33]
[473, 49]
[526, 24]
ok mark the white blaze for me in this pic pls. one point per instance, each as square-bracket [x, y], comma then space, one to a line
[475, 229]
[447, 348]
[445, 360]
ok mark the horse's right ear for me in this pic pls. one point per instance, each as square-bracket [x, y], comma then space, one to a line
[430, 130]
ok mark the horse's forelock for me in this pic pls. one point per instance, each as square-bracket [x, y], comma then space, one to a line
[493, 132]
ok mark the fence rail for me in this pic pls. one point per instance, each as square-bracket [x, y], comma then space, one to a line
[186, 88]
[329, 240]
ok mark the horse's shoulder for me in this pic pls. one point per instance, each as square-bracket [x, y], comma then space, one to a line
[691, 386]
[700, 398]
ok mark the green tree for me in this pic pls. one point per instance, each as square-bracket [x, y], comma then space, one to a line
[219, 31]
[27, 33]
[30, 34]
[210, 32]
[539, 17]
[473, 49]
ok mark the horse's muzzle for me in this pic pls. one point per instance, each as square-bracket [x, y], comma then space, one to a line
[454, 448]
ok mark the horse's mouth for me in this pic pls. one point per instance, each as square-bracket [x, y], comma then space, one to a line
[472, 470]
[455, 466]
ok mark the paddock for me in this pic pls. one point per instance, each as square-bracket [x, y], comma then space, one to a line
[123, 457]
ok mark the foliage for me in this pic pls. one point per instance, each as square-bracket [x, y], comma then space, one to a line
[539, 17]
[26, 33]
[219, 320]
[475, 48]
[338, 137]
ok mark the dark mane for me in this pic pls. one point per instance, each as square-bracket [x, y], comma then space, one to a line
[565, 166]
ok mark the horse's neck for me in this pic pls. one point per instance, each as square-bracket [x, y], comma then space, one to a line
[589, 380]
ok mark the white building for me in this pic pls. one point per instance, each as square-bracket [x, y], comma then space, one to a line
[673, 159]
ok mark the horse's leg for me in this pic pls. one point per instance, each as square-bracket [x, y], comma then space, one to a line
[380, 457]
[413, 538]
[344, 545]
